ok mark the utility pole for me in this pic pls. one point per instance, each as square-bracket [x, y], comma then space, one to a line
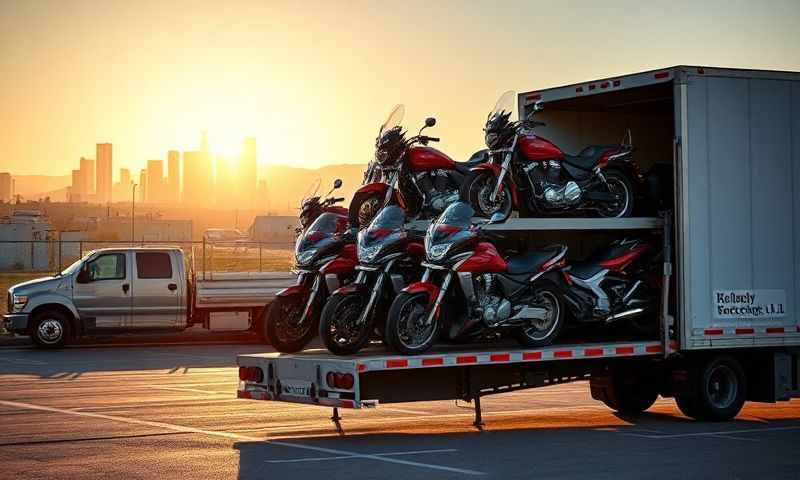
[133, 214]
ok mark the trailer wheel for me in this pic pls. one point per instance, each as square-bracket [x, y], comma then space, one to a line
[630, 395]
[50, 329]
[720, 392]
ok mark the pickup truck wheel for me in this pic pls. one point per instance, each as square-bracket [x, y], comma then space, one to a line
[720, 393]
[50, 329]
[281, 328]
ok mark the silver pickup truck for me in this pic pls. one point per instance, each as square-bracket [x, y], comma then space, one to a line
[134, 290]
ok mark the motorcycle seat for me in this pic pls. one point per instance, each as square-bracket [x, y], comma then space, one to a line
[589, 156]
[530, 262]
[585, 270]
[477, 158]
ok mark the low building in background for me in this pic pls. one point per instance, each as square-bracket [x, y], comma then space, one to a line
[268, 228]
[26, 242]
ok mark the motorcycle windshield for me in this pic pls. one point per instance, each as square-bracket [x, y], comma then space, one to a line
[394, 119]
[505, 105]
[385, 230]
[451, 229]
[320, 237]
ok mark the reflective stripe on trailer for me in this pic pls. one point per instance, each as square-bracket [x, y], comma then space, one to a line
[517, 356]
[754, 331]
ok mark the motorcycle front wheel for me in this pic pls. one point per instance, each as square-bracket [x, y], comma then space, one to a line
[339, 327]
[406, 329]
[543, 332]
[281, 328]
[618, 183]
[477, 190]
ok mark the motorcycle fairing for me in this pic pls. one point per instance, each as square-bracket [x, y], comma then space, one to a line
[423, 287]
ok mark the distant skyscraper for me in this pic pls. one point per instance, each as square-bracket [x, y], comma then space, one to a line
[87, 174]
[124, 176]
[197, 178]
[248, 173]
[104, 172]
[173, 176]
[143, 185]
[76, 190]
[6, 187]
[155, 180]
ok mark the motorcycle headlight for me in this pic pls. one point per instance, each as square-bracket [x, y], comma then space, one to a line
[304, 257]
[437, 252]
[367, 253]
[491, 139]
[19, 302]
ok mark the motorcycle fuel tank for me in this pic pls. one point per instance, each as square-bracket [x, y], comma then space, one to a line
[422, 159]
[486, 259]
[539, 149]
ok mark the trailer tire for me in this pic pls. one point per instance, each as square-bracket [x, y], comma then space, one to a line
[50, 329]
[687, 405]
[630, 395]
[721, 391]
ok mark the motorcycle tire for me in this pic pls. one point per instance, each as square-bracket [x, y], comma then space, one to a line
[477, 188]
[277, 327]
[618, 180]
[395, 329]
[548, 291]
[339, 316]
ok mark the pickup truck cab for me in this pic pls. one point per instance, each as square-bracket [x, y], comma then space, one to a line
[128, 290]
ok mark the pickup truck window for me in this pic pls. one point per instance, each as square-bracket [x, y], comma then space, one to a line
[153, 265]
[107, 267]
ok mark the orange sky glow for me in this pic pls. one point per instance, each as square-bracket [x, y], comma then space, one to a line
[312, 81]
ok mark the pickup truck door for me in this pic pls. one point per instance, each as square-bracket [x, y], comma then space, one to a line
[157, 290]
[104, 301]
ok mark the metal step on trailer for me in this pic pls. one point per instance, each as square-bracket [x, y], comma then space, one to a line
[305, 377]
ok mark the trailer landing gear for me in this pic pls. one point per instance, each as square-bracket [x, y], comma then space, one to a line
[478, 423]
[336, 419]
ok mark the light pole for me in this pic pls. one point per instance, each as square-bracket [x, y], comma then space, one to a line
[133, 214]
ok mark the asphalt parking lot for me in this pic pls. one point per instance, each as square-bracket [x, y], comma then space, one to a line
[170, 412]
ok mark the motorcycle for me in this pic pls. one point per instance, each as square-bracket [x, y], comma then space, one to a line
[615, 283]
[485, 295]
[325, 257]
[312, 207]
[419, 178]
[530, 173]
[388, 260]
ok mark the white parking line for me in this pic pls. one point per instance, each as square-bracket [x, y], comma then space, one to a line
[236, 436]
[712, 434]
[347, 457]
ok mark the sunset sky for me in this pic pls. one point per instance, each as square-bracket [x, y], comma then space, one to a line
[312, 81]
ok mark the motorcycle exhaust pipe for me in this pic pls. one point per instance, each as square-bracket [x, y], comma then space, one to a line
[630, 291]
[624, 315]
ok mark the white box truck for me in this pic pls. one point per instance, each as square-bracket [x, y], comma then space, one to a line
[730, 140]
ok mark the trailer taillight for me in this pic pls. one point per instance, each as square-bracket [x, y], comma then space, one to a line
[343, 381]
[251, 374]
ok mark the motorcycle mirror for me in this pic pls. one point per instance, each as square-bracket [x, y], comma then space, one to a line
[337, 183]
[430, 121]
[538, 106]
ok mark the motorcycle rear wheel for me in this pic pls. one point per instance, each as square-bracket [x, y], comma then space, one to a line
[281, 329]
[405, 329]
[338, 326]
[549, 297]
[618, 182]
[477, 190]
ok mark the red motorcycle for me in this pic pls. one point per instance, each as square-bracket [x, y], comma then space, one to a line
[313, 205]
[420, 179]
[470, 292]
[325, 257]
[530, 173]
